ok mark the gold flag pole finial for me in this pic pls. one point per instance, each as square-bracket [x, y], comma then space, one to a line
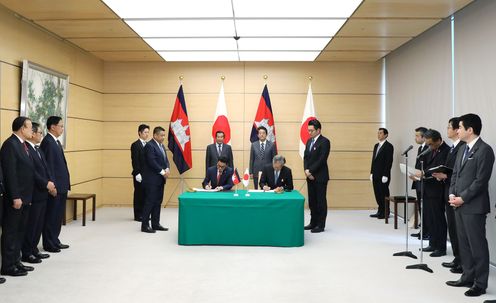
[310, 78]
[223, 77]
[265, 78]
[181, 79]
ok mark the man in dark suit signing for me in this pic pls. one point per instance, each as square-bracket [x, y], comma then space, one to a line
[277, 176]
[317, 151]
[155, 173]
[217, 149]
[57, 165]
[469, 195]
[261, 154]
[137, 161]
[43, 186]
[380, 171]
[219, 177]
[18, 170]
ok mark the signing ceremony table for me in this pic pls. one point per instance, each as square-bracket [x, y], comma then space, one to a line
[221, 218]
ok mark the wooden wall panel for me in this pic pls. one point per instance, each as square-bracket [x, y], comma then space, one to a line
[6, 118]
[84, 166]
[10, 84]
[89, 104]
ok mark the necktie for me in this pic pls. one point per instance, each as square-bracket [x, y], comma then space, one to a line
[37, 148]
[311, 144]
[26, 148]
[218, 178]
[465, 154]
[276, 178]
[219, 149]
[162, 150]
[377, 151]
[262, 150]
[144, 143]
[452, 148]
[434, 153]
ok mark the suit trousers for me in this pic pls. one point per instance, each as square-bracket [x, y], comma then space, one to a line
[434, 207]
[14, 226]
[153, 194]
[381, 191]
[474, 252]
[53, 220]
[317, 202]
[423, 215]
[453, 235]
[137, 199]
[36, 220]
[255, 181]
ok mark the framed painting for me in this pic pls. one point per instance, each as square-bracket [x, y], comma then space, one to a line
[43, 94]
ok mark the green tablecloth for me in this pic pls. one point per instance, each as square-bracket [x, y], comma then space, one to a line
[220, 218]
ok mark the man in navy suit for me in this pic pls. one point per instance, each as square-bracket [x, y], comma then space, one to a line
[42, 187]
[217, 149]
[137, 161]
[18, 170]
[155, 172]
[315, 157]
[469, 195]
[57, 165]
[276, 176]
[220, 176]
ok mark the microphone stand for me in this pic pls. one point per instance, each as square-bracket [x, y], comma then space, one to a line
[421, 265]
[406, 253]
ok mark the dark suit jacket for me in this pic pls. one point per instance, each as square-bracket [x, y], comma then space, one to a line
[382, 163]
[285, 178]
[2, 192]
[18, 170]
[211, 157]
[256, 163]
[137, 157]
[57, 164]
[450, 162]
[417, 163]
[432, 187]
[315, 160]
[225, 179]
[154, 163]
[470, 180]
[41, 175]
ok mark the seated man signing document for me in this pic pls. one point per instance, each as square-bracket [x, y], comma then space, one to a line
[219, 177]
[276, 176]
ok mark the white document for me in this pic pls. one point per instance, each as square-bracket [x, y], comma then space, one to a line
[411, 171]
[205, 190]
[260, 191]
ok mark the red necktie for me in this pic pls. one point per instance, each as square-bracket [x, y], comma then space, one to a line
[218, 178]
[26, 148]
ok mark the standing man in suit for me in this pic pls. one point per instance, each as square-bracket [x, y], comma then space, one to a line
[155, 172]
[380, 171]
[18, 172]
[420, 139]
[261, 154]
[317, 151]
[219, 177]
[277, 176]
[2, 192]
[452, 132]
[57, 165]
[434, 193]
[469, 194]
[137, 161]
[43, 186]
[217, 149]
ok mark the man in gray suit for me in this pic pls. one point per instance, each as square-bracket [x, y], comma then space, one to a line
[217, 149]
[469, 195]
[261, 154]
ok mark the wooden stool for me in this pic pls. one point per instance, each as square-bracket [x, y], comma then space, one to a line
[82, 197]
[396, 200]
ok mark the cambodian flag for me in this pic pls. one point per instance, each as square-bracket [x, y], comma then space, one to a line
[179, 134]
[264, 117]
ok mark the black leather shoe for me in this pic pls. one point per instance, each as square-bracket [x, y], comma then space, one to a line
[147, 229]
[449, 264]
[317, 229]
[52, 249]
[428, 249]
[475, 291]
[63, 246]
[160, 227]
[382, 216]
[457, 270]
[24, 267]
[489, 301]
[308, 227]
[460, 283]
[438, 253]
[31, 259]
[2, 280]
[416, 235]
[374, 215]
[42, 256]
[138, 219]
[14, 272]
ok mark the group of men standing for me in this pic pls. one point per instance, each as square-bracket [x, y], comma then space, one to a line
[34, 181]
[267, 169]
[454, 189]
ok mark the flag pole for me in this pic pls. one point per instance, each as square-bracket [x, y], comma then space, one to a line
[181, 77]
[265, 79]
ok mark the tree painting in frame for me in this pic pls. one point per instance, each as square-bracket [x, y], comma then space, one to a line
[44, 94]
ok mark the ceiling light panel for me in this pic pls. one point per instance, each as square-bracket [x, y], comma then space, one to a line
[195, 44]
[171, 9]
[302, 44]
[182, 28]
[295, 8]
[278, 56]
[288, 28]
[199, 56]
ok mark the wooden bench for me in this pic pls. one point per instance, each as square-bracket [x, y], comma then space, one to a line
[83, 197]
[401, 200]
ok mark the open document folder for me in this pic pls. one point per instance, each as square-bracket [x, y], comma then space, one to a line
[411, 171]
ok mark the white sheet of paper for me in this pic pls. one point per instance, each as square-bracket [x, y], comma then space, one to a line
[205, 190]
[411, 170]
[260, 191]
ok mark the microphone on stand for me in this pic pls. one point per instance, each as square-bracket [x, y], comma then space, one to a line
[424, 152]
[407, 150]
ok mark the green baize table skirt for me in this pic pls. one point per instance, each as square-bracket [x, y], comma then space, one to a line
[221, 218]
